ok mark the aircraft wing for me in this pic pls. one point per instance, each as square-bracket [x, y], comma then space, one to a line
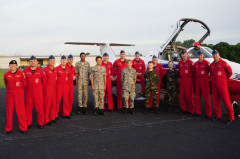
[97, 44]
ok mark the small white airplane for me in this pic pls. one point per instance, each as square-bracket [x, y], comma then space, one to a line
[170, 51]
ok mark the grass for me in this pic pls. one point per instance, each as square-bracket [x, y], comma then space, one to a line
[2, 72]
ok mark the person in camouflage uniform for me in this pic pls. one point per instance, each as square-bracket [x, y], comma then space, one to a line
[129, 77]
[82, 71]
[151, 80]
[98, 81]
[171, 80]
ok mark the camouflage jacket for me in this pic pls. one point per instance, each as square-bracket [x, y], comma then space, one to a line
[98, 75]
[83, 71]
[151, 79]
[128, 77]
[171, 78]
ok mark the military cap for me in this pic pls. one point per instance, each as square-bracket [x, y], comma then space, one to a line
[51, 57]
[122, 51]
[154, 56]
[183, 51]
[70, 56]
[215, 52]
[33, 58]
[63, 57]
[199, 52]
[137, 53]
[105, 54]
[13, 62]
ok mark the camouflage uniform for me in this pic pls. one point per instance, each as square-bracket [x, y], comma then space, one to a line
[171, 79]
[151, 80]
[98, 75]
[129, 77]
[83, 71]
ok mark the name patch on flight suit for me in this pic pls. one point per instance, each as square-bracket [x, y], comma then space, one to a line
[18, 84]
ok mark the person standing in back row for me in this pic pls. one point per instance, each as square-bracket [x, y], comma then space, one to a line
[82, 72]
[220, 72]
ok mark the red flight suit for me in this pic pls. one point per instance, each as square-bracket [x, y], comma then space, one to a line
[71, 86]
[15, 83]
[49, 92]
[220, 72]
[34, 94]
[201, 73]
[63, 77]
[186, 71]
[140, 67]
[118, 66]
[108, 92]
[159, 70]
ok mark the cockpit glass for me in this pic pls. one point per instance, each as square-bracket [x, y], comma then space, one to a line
[193, 53]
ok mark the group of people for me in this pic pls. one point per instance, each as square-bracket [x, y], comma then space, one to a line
[51, 90]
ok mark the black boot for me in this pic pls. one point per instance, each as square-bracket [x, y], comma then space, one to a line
[156, 110]
[101, 112]
[95, 112]
[131, 111]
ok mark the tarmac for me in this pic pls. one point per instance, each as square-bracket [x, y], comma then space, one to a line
[117, 136]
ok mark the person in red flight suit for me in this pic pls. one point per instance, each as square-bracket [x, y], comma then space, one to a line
[201, 73]
[118, 66]
[108, 93]
[71, 86]
[15, 82]
[186, 72]
[49, 92]
[220, 71]
[140, 67]
[35, 81]
[63, 76]
[157, 67]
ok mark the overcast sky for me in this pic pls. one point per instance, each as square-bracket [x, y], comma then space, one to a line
[41, 27]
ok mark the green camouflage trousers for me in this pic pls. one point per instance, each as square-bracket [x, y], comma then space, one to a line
[98, 98]
[82, 95]
[154, 94]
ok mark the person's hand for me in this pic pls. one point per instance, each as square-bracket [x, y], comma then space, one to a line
[92, 88]
[139, 74]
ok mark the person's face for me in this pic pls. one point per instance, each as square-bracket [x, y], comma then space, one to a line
[215, 57]
[63, 62]
[200, 57]
[129, 64]
[122, 55]
[137, 56]
[33, 63]
[13, 67]
[170, 64]
[150, 65]
[184, 56]
[70, 61]
[83, 57]
[105, 58]
[99, 61]
[51, 62]
[155, 60]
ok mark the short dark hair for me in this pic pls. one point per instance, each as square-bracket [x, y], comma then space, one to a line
[82, 53]
[98, 57]
[150, 62]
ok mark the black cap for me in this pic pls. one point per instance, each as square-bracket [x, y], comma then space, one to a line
[33, 58]
[199, 52]
[63, 57]
[122, 51]
[154, 56]
[183, 51]
[137, 53]
[105, 54]
[13, 62]
[215, 52]
[70, 56]
[82, 53]
[51, 57]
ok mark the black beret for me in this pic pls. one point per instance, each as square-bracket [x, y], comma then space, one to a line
[13, 62]
[122, 51]
[183, 51]
[199, 52]
[137, 53]
[154, 56]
